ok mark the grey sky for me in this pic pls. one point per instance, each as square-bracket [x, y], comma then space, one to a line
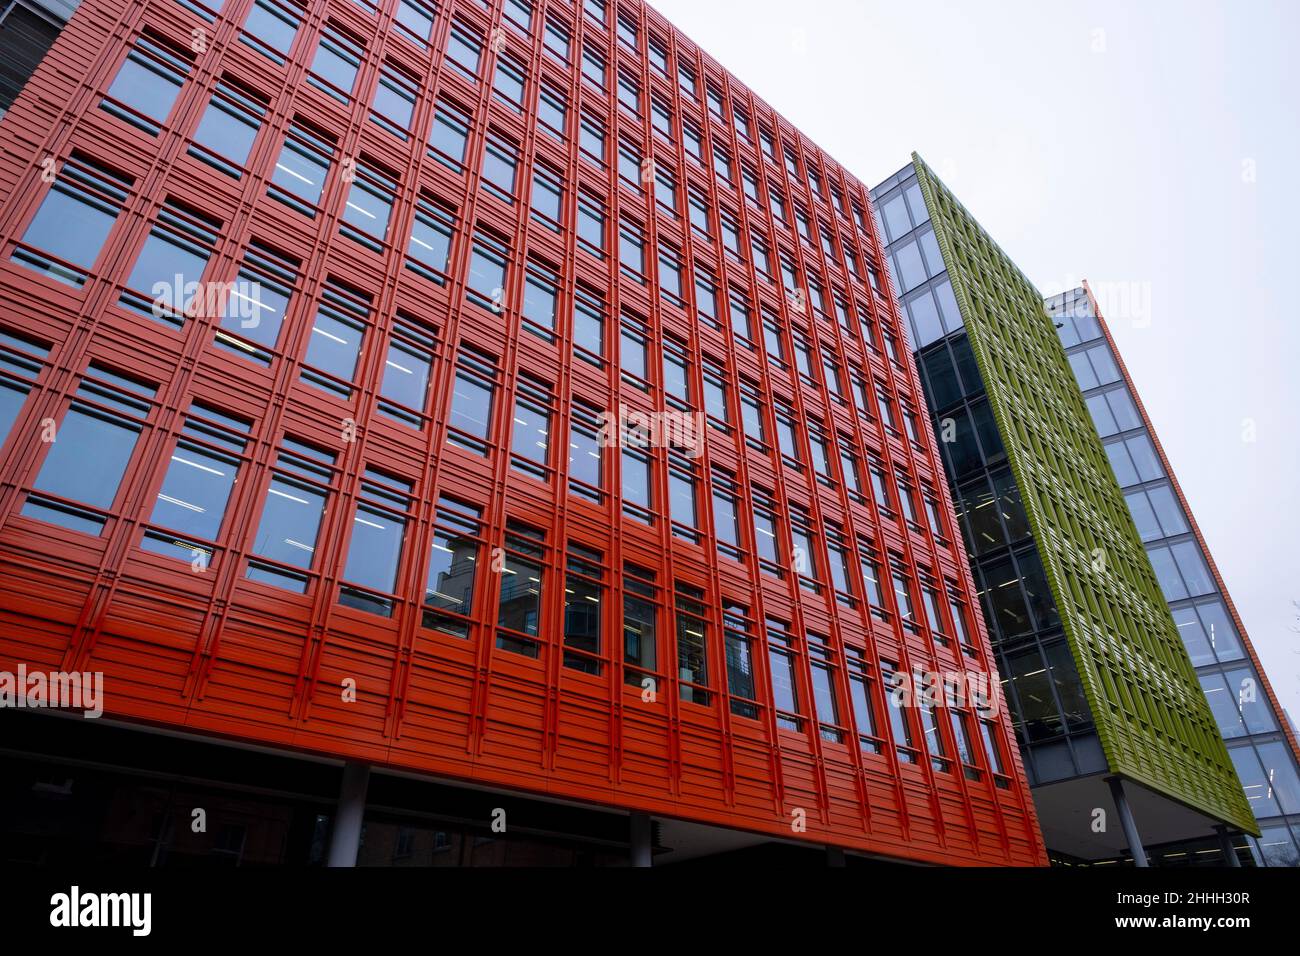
[1150, 148]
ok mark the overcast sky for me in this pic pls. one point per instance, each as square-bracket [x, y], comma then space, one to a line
[1149, 147]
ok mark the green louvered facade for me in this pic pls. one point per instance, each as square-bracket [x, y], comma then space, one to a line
[1151, 715]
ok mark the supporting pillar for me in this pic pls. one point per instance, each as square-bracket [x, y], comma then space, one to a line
[1230, 857]
[1127, 822]
[835, 856]
[345, 835]
[641, 836]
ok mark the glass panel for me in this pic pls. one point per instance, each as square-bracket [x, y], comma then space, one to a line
[406, 376]
[335, 344]
[452, 564]
[194, 492]
[1038, 717]
[1192, 565]
[290, 523]
[520, 605]
[70, 227]
[926, 325]
[88, 460]
[1167, 510]
[471, 406]
[375, 549]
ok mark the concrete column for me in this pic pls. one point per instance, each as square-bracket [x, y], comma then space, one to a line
[345, 835]
[835, 856]
[640, 839]
[1230, 857]
[1127, 822]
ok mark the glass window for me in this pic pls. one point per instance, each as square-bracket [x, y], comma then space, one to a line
[470, 420]
[530, 441]
[464, 50]
[724, 517]
[1143, 517]
[229, 126]
[415, 19]
[588, 324]
[547, 198]
[591, 139]
[1083, 372]
[692, 645]
[1192, 566]
[291, 516]
[670, 274]
[500, 161]
[394, 103]
[909, 268]
[164, 282]
[934, 743]
[593, 66]
[301, 168]
[591, 225]
[448, 137]
[740, 660]
[785, 684]
[1208, 633]
[585, 453]
[255, 308]
[1268, 777]
[860, 695]
[453, 563]
[404, 388]
[519, 606]
[552, 112]
[825, 704]
[1167, 510]
[557, 40]
[1121, 464]
[1279, 767]
[196, 487]
[508, 83]
[73, 221]
[487, 272]
[369, 206]
[94, 444]
[430, 246]
[926, 325]
[1010, 615]
[336, 337]
[334, 68]
[899, 723]
[992, 750]
[147, 84]
[636, 483]
[271, 27]
[583, 604]
[640, 616]
[20, 367]
[681, 499]
[375, 546]
[766, 541]
[540, 296]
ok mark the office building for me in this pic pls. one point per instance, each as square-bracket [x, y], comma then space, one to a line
[1118, 742]
[463, 434]
[1260, 740]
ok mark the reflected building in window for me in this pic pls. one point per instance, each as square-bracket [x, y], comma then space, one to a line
[1260, 740]
[1106, 705]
